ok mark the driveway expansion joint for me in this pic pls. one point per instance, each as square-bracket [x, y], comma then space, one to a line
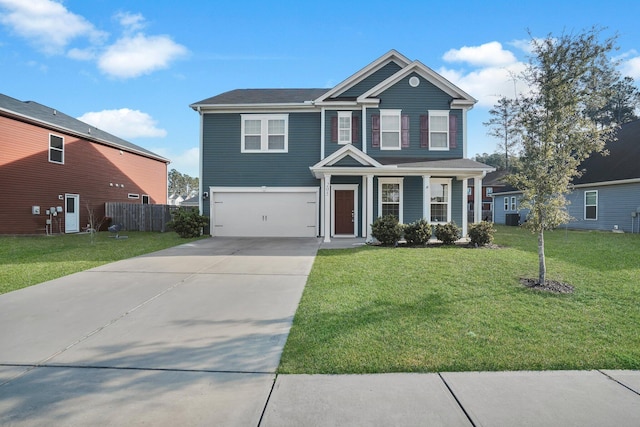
[466, 414]
[619, 382]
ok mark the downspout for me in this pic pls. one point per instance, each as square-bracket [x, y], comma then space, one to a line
[201, 161]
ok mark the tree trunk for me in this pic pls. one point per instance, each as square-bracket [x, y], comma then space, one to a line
[542, 266]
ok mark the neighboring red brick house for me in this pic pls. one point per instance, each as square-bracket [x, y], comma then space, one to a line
[51, 160]
[492, 182]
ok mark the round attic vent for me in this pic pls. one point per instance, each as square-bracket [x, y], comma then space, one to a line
[414, 81]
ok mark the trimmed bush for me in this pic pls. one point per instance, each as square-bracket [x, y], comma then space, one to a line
[187, 222]
[481, 233]
[448, 233]
[387, 230]
[417, 233]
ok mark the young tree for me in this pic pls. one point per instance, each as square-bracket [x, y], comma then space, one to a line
[557, 133]
[502, 126]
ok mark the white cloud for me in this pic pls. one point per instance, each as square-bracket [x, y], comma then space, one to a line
[631, 67]
[488, 54]
[131, 22]
[134, 56]
[124, 123]
[186, 162]
[47, 24]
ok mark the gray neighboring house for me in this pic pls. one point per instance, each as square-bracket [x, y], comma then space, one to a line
[606, 197]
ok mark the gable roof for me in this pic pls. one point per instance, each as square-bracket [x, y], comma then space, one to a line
[51, 118]
[261, 97]
[623, 161]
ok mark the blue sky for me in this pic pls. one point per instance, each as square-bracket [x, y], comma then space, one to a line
[132, 68]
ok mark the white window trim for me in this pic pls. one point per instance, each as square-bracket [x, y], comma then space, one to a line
[438, 113]
[345, 114]
[50, 148]
[399, 181]
[148, 199]
[397, 113]
[506, 204]
[514, 204]
[447, 181]
[585, 205]
[264, 136]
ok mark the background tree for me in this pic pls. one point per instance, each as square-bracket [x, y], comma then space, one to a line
[624, 101]
[182, 184]
[502, 126]
[557, 132]
[497, 160]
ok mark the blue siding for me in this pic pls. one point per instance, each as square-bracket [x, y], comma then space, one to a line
[413, 196]
[331, 146]
[456, 205]
[225, 165]
[372, 80]
[615, 204]
[415, 101]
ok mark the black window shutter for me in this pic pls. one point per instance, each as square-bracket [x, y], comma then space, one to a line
[334, 129]
[453, 132]
[375, 130]
[404, 137]
[424, 131]
[354, 129]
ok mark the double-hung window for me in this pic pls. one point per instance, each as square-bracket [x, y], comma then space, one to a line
[438, 130]
[56, 149]
[344, 127]
[265, 133]
[440, 201]
[390, 122]
[591, 205]
[514, 204]
[390, 197]
[506, 204]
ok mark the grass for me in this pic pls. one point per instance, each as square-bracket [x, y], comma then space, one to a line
[28, 260]
[373, 310]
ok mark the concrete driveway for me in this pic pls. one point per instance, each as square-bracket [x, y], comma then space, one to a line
[190, 335]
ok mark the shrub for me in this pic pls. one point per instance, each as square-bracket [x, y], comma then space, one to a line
[387, 230]
[481, 233]
[418, 232]
[187, 222]
[448, 233]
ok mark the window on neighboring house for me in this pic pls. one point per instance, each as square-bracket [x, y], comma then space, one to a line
[133, 196]
[390, 122]
[56, 149]
[489, 191]
[506, 204]
[591, 205]
[440, 201]
[438, 130]
[344, 127]
[145, 199]
[514, 206]
[469, 191]
[264, 133]
[390, 197]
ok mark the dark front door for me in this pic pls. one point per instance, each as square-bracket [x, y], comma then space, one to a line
[344, 212]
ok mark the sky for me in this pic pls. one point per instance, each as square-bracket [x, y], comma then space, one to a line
[132, 68]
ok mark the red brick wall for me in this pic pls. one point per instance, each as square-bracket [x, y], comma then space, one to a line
[27, 178]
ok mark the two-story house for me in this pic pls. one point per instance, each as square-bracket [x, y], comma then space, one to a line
[55, 170]
[390, 139]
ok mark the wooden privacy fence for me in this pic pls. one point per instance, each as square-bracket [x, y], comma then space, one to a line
[139, 217]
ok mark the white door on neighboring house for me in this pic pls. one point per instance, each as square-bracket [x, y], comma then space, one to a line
[72, 213]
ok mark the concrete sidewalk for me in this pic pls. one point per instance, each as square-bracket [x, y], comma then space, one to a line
[192, 336]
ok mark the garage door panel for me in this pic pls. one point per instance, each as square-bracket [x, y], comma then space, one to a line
[268, 214]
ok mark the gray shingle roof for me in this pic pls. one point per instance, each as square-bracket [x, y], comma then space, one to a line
[50, 117]
[263, 96]
[434, 164]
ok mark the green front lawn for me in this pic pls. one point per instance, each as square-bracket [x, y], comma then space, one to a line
[372, 309]
[27, 260]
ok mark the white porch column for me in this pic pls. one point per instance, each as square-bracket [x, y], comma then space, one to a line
[369, 208]
[363, 214]
[326, 204]
[465, 208]
[426, 198]
[477, 199]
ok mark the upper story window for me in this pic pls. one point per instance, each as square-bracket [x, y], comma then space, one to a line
[390, 129]
[265, 133]
[344, 127]
[438, 130]
[56, 149]
[591, 205]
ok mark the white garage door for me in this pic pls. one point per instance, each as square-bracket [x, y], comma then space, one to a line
[264, 212]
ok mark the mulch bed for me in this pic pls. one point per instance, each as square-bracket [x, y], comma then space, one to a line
[548, 286]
